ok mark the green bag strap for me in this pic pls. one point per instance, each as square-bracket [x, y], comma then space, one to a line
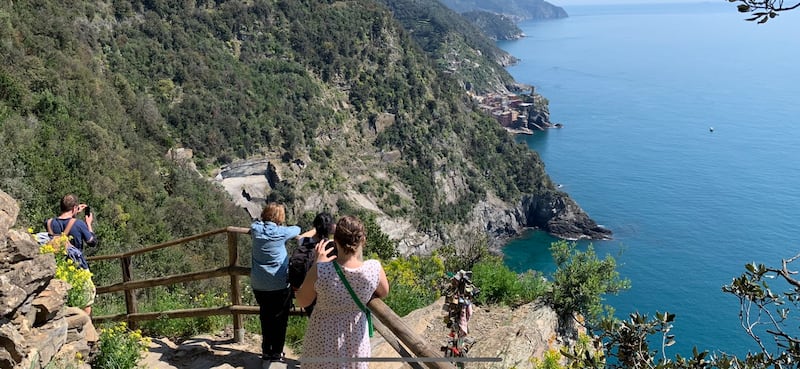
[353, 295]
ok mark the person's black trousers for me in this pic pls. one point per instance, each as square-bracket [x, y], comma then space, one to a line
[274, 314]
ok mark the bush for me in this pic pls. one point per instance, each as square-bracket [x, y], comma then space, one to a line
[581, 279]
[404, 299]
[378, 243]
[465, 258]
[414, 282]
[163, 300]
[120, 348]
[500, 285]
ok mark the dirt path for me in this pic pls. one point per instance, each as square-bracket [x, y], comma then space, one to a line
[494, 329]
[211, 352]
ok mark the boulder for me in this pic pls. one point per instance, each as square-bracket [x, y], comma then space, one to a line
[8, 212]
[50, 302]
[18, 246]
[47, 340]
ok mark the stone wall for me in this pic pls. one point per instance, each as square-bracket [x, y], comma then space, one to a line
[36, 327]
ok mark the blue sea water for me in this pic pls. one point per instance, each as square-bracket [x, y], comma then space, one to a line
[637, 88]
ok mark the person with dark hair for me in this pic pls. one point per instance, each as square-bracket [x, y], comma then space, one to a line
[79, 231]
[324, 226]
[268, 278]
[304, 255]
[342, 286]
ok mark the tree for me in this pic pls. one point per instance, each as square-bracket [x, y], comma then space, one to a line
[763, 10]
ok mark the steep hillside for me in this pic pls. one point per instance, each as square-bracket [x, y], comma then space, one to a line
[455, 44]
[335, 95]
[517, 9]
[495, 26]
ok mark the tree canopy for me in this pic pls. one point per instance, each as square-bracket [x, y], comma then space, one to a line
[763, 10]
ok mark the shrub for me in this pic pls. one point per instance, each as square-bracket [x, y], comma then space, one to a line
[404, 299]
[163, 300]
[465, 258]
[581, 279]
[551, 360]
[500, 285]
[120, 348]
[414, 282]
[378, 243]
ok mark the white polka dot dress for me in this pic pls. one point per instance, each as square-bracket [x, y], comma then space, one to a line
[337, 328]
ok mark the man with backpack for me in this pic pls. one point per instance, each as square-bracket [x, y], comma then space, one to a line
[79, 231]
[303, 255]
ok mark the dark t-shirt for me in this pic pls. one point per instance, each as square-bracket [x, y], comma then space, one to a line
[79, 232]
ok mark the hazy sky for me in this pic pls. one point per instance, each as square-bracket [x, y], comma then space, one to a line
[585, 2]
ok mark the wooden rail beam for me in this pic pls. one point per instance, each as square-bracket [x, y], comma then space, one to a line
[394, 343]
[188, 313]
[160, 245]
[173, 279]
[407, 335]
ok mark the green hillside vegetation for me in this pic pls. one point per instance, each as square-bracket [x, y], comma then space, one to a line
[94, 94]
[495, 26]
[455, 44]
[517, 9]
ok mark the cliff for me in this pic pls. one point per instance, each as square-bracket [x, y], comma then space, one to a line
[519, 336]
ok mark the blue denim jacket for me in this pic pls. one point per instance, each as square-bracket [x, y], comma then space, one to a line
[270, 261]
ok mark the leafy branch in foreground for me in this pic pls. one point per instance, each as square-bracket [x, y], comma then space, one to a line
[764, 311]
[763, 10]
[764, 314]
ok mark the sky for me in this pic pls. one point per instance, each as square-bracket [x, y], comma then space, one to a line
[589, 2]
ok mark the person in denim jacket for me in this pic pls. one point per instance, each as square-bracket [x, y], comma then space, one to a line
[268, 277]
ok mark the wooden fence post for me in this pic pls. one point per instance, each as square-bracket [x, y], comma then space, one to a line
[130, 295]
[236, 293]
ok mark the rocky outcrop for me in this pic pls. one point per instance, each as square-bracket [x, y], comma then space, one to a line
[35, 325]
[560, 215]
[517, 336]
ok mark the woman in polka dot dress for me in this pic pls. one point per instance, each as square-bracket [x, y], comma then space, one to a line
[337, 328]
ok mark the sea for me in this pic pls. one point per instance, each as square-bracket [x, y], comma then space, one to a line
[681, 134]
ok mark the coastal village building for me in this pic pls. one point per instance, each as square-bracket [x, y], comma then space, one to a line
[512, 112]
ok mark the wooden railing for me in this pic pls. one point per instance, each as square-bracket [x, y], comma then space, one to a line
[385, 315]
